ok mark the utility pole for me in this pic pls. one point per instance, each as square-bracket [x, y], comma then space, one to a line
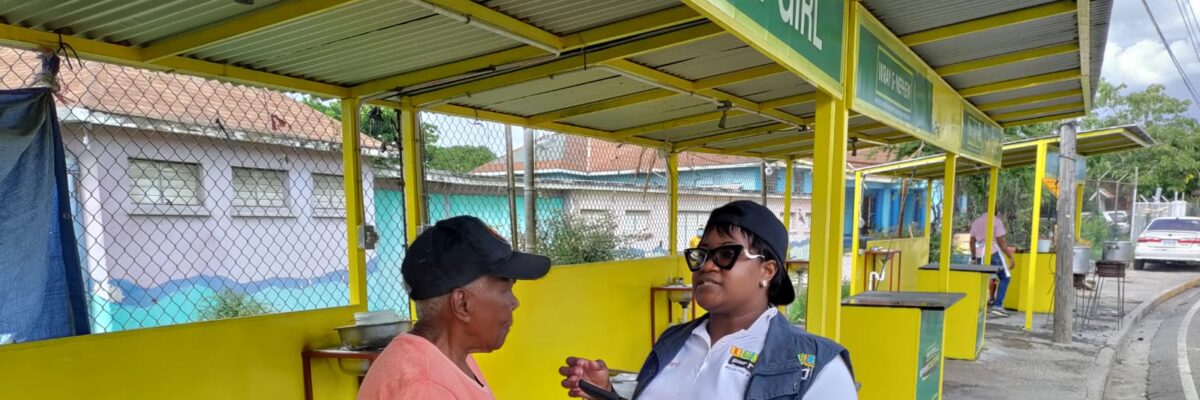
[1064, 285]
[530, 195]
[514, 231]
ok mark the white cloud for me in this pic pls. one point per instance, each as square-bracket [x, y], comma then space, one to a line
[1147, 62]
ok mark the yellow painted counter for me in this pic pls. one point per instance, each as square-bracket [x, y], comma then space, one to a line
[965, 321]
[1043, 286]
[895, 342]
[914, 252]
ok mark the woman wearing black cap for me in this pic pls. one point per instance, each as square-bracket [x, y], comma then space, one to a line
[742, 348]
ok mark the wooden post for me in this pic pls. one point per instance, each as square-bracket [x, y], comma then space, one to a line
[1064, 289]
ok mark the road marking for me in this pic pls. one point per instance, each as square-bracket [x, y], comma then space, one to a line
[1185, 366]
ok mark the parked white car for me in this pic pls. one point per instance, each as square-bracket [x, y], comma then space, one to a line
[1175, 239]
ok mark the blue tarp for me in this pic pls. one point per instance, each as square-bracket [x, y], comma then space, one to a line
[41, 282]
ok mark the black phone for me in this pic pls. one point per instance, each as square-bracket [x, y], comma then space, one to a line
[598, 393]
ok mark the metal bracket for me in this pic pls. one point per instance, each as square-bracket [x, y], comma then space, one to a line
[367, 237]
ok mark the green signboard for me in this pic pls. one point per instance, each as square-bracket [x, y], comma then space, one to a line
[929, 367]
[974, 132]
[889, 84]
[804, 35]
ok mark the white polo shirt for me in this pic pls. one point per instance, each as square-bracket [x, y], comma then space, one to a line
[720, 371]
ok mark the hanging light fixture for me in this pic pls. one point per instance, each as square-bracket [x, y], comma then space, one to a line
[723, 107]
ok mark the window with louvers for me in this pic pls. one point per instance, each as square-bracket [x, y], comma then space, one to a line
[255, 187]
[164, 182]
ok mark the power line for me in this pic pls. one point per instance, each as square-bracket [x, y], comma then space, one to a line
[1171, 53]
[1189, 22]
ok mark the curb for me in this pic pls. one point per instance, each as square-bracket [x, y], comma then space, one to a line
[1098, 379]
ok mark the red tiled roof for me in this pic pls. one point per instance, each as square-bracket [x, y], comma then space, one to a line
[134, 92]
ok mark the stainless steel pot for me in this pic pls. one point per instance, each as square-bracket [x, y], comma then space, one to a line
[1118, 251]
[1082, 262]
[374, 336]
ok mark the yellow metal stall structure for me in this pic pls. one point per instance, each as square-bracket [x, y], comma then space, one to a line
[817, 81]
[966, 324]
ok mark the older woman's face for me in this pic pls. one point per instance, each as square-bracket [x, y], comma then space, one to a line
[722, 291]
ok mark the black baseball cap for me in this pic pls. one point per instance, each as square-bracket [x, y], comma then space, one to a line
[760, 221]
[459, 250]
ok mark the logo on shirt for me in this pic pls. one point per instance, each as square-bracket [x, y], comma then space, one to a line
[807, 360]
[741, 360]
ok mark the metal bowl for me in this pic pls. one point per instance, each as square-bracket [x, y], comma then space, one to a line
[374, 336]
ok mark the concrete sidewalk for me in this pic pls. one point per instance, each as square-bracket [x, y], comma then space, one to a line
[1019, 364]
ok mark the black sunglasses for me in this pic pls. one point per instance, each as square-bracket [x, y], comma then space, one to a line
[723, 257]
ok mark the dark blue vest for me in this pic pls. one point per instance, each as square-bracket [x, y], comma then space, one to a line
[787, 365]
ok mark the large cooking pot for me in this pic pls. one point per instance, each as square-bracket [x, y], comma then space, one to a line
[1081, 263]
[1118, 251]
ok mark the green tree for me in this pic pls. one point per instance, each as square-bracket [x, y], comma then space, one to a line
[575, 239]
[231, 304]
[380, 123]
[1173, 164]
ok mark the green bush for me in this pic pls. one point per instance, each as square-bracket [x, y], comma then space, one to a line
[231, 304]
[573, 239]
[1097, 231]
[798, 310]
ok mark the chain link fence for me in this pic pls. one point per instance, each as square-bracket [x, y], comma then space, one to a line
[195, 199]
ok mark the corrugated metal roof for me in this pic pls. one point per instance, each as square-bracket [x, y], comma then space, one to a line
[704, 58]
[908, 16]
[1019, 93]
[1100, 17]
[803, 109]
[733, 123]
[1000, 73]
[1040, 104]
[556, 92]
[562, 17]
[358, 42]
[769, 87]
[1039, 115]
[678, 138]
[1002, 40]
[655, 111]
[135, 21]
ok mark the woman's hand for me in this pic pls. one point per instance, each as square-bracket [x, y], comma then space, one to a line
[595, 372]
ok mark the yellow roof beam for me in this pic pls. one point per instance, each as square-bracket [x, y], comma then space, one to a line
[573, 62]
[990, 22]
[648, 96]
[791, 138]
[674, 123]
[721, 137]
[1021, 83]
[496, 21]
[1027, 100]
[788, 101]
[238, 26]
[740, 76]
[602, 105]
[617, 30]
[124, 55]
[1010, 58]
[1017, 115]
[1043, 119]
[653, 76]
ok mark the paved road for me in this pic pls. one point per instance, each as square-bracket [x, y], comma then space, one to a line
[1161, 359]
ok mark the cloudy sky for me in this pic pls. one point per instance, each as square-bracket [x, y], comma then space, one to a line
[1136, 57]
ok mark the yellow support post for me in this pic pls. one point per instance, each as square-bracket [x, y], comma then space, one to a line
[993, 186]
[856, 214]
[411, 158]
[673, 205]
[1039, 173]
[949, 172]
[928, 208]
[788, 180]
[829, 196]
[352, 178]
[1078, 212]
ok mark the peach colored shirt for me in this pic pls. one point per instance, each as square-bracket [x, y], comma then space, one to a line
[412, 368]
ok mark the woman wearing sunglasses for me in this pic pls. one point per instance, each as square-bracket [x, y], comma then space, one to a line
[742, 348]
